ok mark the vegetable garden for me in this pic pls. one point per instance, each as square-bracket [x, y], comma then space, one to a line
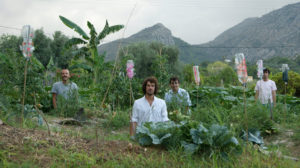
[213, 135]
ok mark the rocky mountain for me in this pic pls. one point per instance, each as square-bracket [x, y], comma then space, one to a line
[274, 34]
[158, 33]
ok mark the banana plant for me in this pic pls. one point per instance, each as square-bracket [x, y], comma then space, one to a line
[90, 42]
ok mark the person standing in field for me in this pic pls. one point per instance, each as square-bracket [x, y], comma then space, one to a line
[266, 90]
[65, 88]
[177, 96]
[148, 108]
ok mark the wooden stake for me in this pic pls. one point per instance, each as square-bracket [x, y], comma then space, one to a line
[131, 98]
[285, 108]
[24, 91]
[197, 95]
[245, 112]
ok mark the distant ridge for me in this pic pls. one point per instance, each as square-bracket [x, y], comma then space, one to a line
[274, 34]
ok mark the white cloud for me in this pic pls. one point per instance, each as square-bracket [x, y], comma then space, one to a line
[195, 21]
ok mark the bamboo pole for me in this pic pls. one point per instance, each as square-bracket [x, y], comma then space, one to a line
[130, 95]
[197, 95]
[285, 108]
[24, 91]
[245, 112]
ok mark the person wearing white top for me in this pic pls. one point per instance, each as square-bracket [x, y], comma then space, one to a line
[178, 95]
[266, 90]
[148, 108]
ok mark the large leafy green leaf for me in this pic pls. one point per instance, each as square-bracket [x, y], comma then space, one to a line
[50, 64]
[104, 32]
[201, 135]
[81, 52]
[155, 139]
[74, 26]
[216, 138]
[142, 129]
[108, 30]
[82, 66]
[74, 41]
[253, 136]
[189, 147]
[93, 35]
[145, 141]
[157, 132]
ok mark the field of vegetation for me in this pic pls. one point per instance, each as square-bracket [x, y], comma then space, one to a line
[213, 135]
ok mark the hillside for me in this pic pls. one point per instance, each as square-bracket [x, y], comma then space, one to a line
[274, 34]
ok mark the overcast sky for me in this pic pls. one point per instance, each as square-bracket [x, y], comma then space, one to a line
[195, 21]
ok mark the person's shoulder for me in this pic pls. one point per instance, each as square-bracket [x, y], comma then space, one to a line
[139, 100]
[168, 92]
[272, 82]
[160, 100]
[74, 84]
[182, 90]
[57, 83]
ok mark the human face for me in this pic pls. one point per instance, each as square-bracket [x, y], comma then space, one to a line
[150, 88]
[65, 75]
[174, 85]
[266, 76]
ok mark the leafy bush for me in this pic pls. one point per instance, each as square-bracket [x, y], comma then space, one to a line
[215, 139]
[293, 85]
[192, 136]
[67, 107]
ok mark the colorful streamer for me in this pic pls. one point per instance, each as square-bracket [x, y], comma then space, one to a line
[241, 67]
[27, 45]
[130, 69]
[196, 75]
[260, 68]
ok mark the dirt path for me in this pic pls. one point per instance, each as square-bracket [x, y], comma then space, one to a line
[14, 139]
[285, 138]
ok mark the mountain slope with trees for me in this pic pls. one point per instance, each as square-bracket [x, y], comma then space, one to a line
[274, 34]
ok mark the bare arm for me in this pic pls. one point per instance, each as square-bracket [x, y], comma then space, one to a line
[132, 128]
[54, 100]
[256, 95]
[274, 97]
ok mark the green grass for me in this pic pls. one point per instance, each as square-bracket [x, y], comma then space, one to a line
[33, 154]
[41, 153]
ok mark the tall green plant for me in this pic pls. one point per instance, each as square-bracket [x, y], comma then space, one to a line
[90, 43]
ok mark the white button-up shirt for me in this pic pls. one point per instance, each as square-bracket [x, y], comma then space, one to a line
[143, 112]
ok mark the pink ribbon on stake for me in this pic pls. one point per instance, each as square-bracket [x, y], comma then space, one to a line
[130, 69]
[196, 74]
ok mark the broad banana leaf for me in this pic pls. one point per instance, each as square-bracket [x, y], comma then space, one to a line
[50, 64]
[82, 66]
[103, 33]
[93, 34]
[74, 26]
[74, 41]
[107, 30]
[81, 52]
